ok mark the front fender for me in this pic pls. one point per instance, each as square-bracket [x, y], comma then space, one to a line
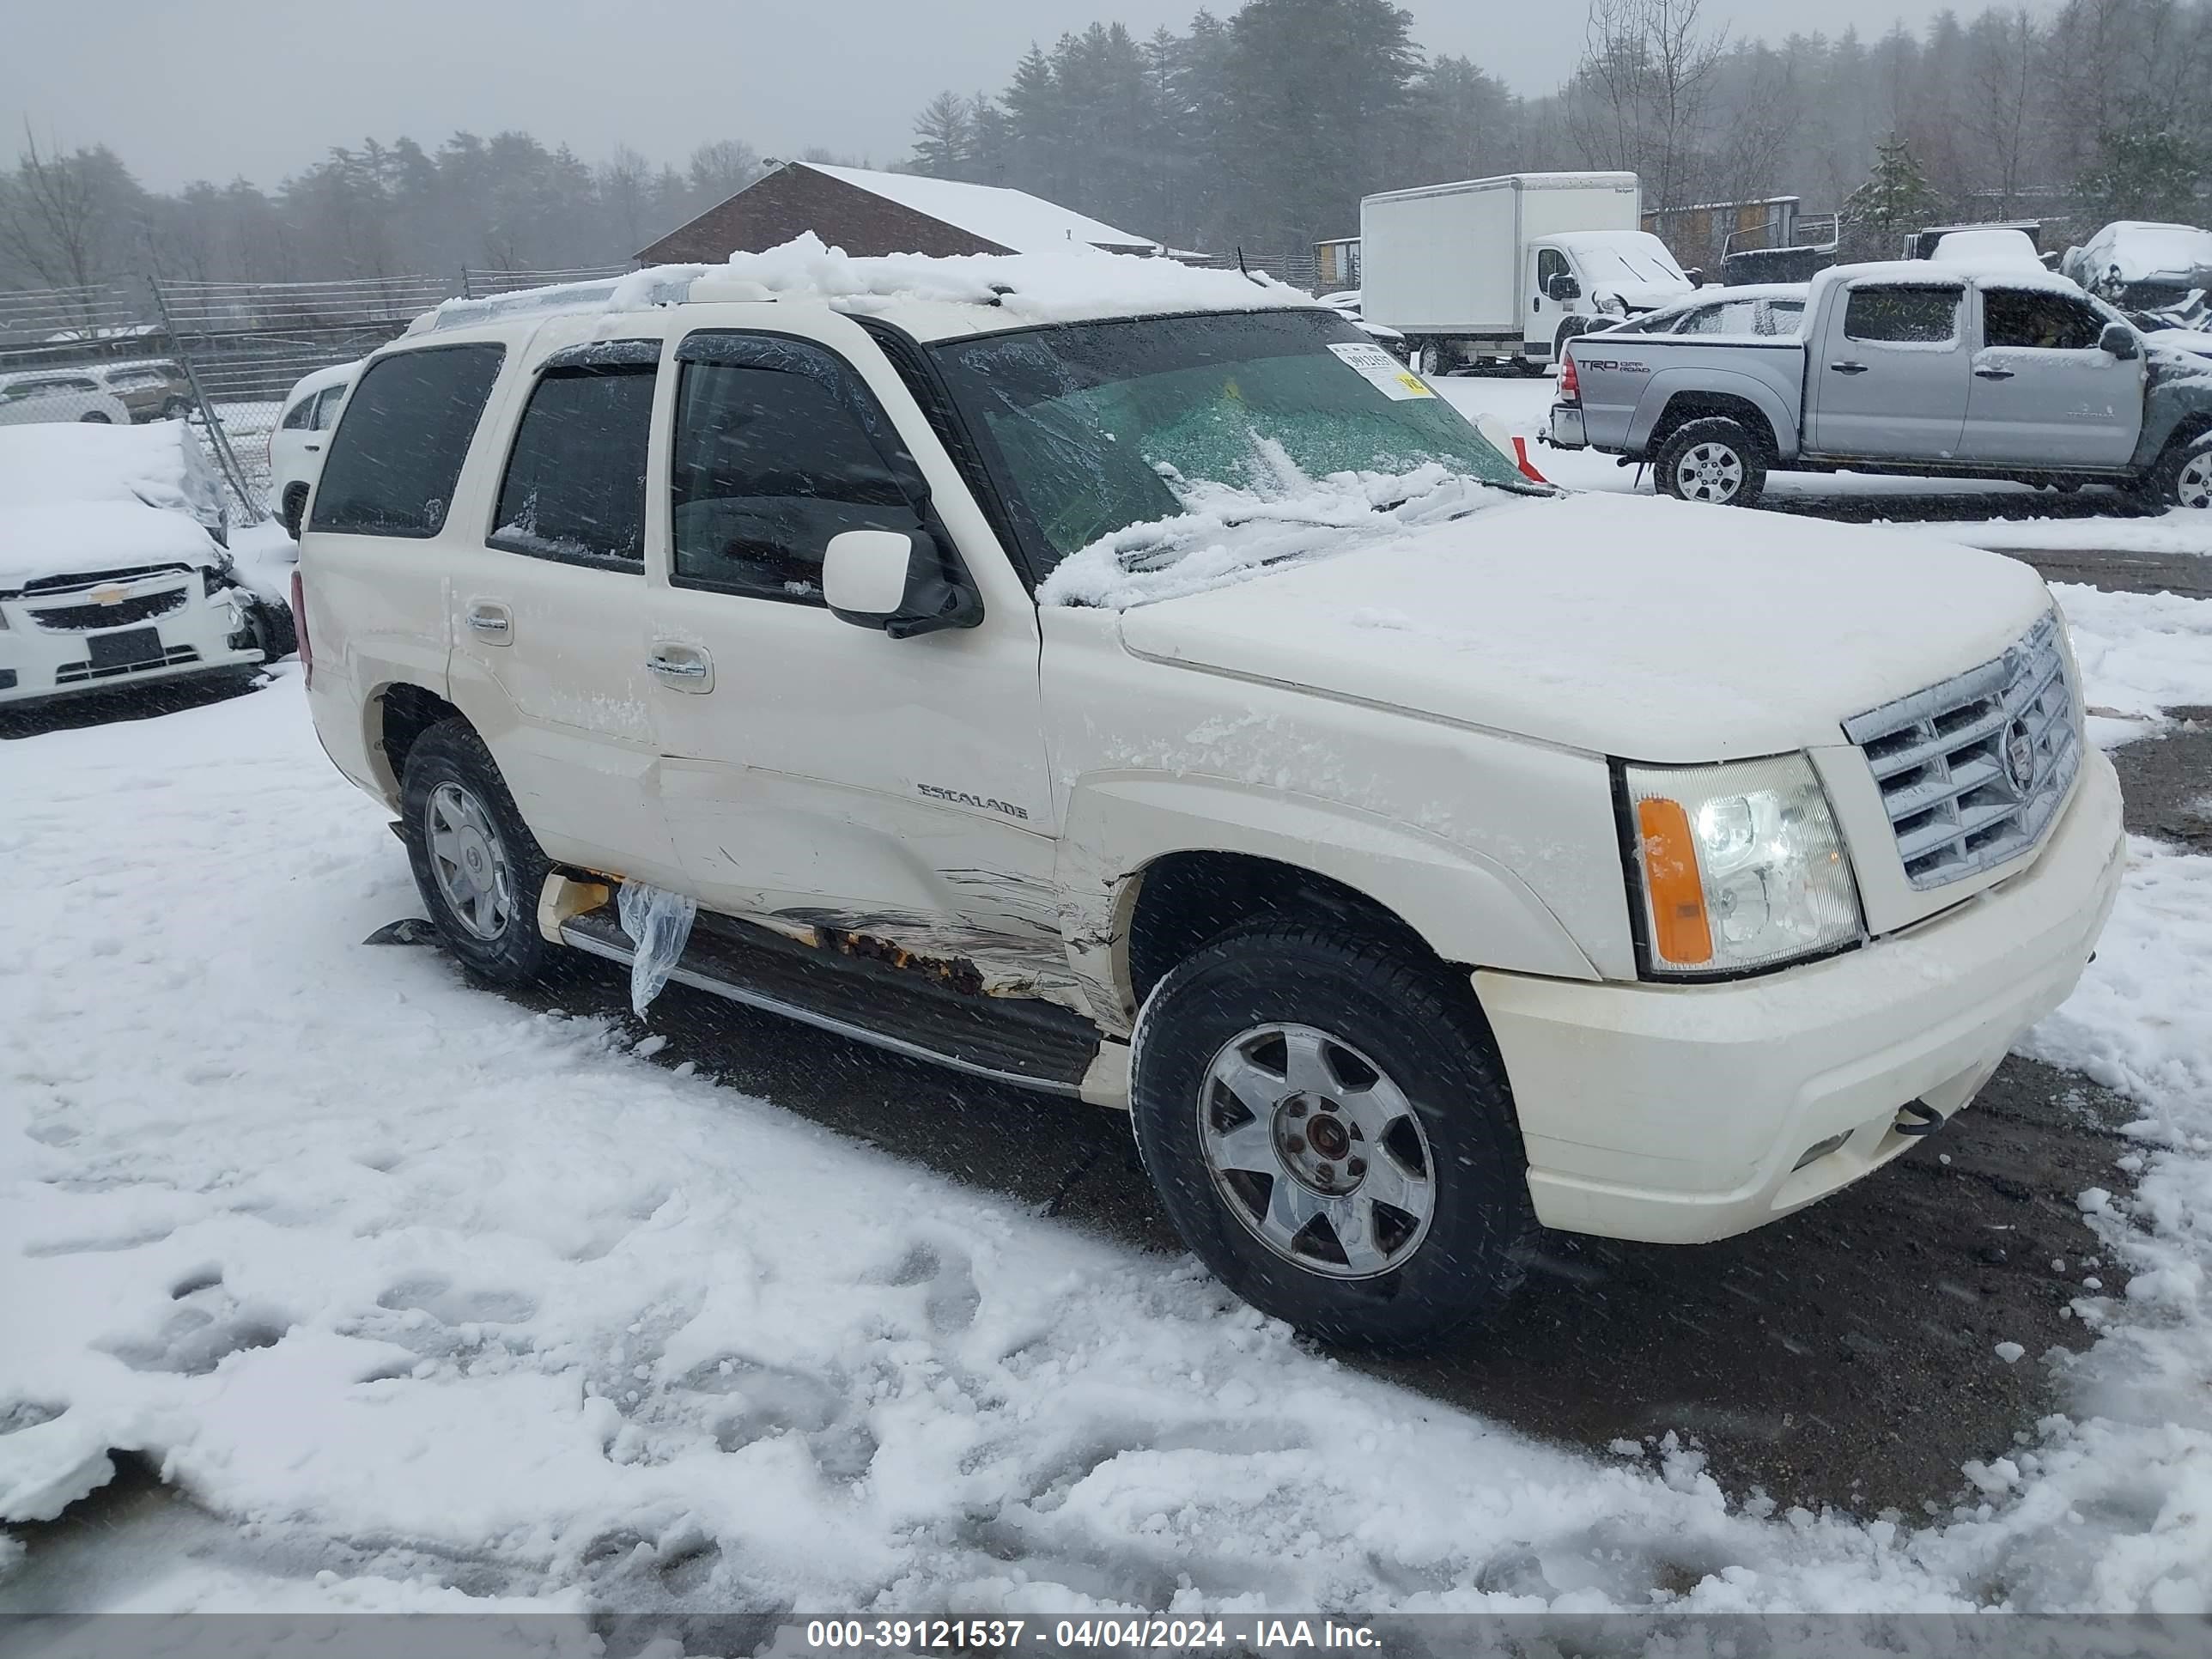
[1668, 383]
[1468, 907]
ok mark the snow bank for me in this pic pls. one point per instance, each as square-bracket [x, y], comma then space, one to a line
[1010, 290]
[2139, 653]
[1231, 535]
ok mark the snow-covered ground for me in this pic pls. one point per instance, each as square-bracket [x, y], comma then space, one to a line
[434, 1302]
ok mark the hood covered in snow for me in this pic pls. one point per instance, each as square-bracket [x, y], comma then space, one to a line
[80, 498]
[1650, 631]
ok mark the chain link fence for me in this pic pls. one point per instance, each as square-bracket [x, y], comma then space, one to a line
[221, 355]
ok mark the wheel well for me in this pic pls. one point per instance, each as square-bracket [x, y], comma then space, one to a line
[2186, 432]
[406, 712]
[1186, 899]
[1687, 406]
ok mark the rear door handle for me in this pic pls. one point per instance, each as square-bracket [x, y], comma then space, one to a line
[1993, 374]
[312, 449]
[1849, 368]
[682, 667]
[491, 623]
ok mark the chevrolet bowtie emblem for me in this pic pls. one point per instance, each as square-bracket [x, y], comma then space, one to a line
[111, 594]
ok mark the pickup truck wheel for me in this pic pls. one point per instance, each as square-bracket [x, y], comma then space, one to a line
[2185, 473]
[1713, 460]
[1329, 1128]
[478, 867]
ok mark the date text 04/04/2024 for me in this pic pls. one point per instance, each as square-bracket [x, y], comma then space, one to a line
[1078, 1635]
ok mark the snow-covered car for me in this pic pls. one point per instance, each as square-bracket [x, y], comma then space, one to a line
[296, 442]
[1987, 247]
[1123, 682]
[2143, 267]
[41, 398]
[1346, 303]
[1749, 308]
[113, 568]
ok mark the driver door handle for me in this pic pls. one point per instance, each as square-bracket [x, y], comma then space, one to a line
[1993, 374]
[682, 667]
[1849, 368]
[489, 622]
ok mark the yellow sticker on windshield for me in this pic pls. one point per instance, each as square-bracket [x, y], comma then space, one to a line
[1383, 372]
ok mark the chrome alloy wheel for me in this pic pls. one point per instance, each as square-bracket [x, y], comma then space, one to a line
[1709, 472]
[2194, 487]
[1316, 1152]
[468, 860]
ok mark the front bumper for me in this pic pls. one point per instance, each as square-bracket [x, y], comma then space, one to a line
[1565, 431]
[1678, 1114]
[40, 660]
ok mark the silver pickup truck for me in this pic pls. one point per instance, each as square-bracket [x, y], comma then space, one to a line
[1904, 367]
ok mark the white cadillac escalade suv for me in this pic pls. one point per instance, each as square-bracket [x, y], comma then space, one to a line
[1128, 683]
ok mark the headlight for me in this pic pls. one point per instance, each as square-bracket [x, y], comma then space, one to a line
[1740, 866]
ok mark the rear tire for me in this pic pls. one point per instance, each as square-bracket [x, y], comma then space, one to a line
[295, 509]
[1363, 1179]
[476, 865]
[1714, 459]
[94, 417]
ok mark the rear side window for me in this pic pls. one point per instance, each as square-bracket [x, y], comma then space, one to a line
[301, 415]
[772, 461]
[575, 482]
[326, 408]
[394, 462]
[1903, 316]
[2031, 317]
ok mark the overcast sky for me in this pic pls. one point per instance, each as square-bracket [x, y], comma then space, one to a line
[187, 90]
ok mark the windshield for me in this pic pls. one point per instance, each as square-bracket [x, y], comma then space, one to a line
[1641, 261]
[1099, 427]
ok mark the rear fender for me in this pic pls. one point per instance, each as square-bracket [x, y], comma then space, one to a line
[1663, 388]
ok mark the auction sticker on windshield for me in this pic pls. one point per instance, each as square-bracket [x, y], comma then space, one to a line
[1383, 372]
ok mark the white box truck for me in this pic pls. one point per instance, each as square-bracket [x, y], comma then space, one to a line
[1510, 267]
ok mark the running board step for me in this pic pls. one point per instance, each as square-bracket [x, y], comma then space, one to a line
[1023, 1041]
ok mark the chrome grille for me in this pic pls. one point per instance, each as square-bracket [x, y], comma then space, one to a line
[1973, 769]
[85, 618]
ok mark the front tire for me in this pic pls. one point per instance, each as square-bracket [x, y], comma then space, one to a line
[476, 863]
[1330, 1130]
[2182, 477]
[1714, 459]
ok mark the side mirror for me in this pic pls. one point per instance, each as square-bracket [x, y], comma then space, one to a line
[1563, 287]
[2119, 340]
[1695, 275]
[894, 580]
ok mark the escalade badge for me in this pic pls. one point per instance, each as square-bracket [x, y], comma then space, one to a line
[2019, 758]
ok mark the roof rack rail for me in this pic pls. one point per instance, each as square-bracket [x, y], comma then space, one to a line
[665, 285]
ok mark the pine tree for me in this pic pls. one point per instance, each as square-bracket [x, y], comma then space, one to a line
[2144, 170]
[945, 137]
[1895, 199]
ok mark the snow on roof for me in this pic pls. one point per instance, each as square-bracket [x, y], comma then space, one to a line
[1992, 248]
[1928, 271]
[935, 298]
[1014, 219]
[2143, 251]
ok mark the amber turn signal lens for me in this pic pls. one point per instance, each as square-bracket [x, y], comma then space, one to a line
[1680, 931]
